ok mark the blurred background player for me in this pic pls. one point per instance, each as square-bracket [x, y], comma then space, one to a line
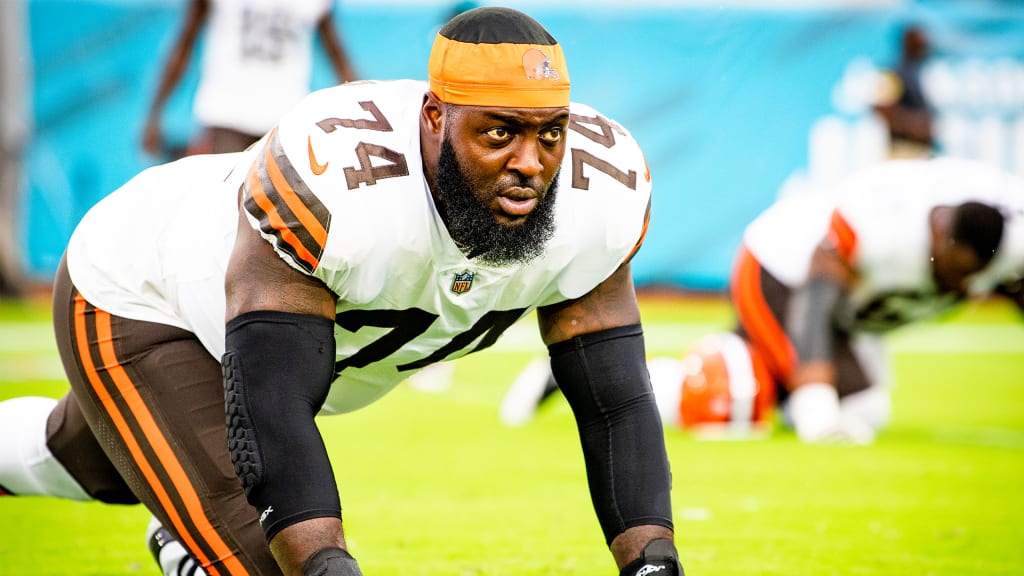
[15, 128]
[819, 279]
[257, 60]
[904, 105]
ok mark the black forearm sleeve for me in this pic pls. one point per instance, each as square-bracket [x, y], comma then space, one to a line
[810, 318]
[604, 377]
[278, 368]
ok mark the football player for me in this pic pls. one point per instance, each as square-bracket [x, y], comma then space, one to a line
[819, 279]
[380, 228]
[246, 44]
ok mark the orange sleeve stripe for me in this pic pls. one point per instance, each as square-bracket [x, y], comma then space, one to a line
[287, 193]
[643, 234]
[267, 205]
[158, 443]
[842, 236]
[756, 317]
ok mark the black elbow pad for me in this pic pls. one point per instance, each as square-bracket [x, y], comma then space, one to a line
[278, 368]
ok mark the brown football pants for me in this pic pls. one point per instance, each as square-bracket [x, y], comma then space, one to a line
[144, 421]
[761, 303]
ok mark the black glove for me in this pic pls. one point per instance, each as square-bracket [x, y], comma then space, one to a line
[659, 558]
[331, 562]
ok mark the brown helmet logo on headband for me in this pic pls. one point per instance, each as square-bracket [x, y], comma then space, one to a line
[538, 65]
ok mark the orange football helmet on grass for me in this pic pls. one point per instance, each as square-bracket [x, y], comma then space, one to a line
[725, 384]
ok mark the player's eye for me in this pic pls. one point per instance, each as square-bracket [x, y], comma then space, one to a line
[499, 134]
[552, 135]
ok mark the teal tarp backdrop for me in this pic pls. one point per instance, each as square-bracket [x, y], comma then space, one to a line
[723, 100]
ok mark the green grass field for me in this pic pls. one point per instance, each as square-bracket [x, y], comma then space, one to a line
[433, 485]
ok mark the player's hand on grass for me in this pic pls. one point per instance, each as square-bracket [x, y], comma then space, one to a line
[659, 558]
[854, 430]
[331, 562]
[814, 412]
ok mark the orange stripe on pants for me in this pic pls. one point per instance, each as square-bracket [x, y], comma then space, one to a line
[152, 433]
[766, 334]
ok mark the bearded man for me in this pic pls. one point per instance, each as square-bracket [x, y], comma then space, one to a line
[380, 228]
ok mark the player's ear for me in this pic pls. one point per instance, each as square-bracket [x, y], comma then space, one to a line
[941, 224]
[941, 218]
[432, 113]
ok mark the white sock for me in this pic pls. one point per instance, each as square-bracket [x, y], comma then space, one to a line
[174, 560]
[27, 467]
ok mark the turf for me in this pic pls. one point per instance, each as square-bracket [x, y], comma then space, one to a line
[433, 485]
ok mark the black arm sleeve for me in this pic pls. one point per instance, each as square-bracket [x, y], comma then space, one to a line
[811, 316]
[604, 377]
[278, 368]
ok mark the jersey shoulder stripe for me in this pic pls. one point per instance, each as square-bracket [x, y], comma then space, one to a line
[285, 207]
[842, 236]
[643, 234]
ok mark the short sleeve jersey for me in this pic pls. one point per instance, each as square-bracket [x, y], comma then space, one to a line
[257, 61]
[338, 189]
[340, 193]
[878, 221]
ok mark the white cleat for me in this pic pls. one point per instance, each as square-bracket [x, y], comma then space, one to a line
[172, 557]
[526, 393]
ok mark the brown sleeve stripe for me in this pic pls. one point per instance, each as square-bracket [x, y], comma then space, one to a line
[277, 196]
[261, 207]
[196, 531]
[756, 317]
[312, 215]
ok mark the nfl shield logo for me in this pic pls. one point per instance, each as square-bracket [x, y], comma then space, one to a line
[463, 282]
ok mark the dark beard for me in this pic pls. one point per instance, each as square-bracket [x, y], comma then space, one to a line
[475, 229]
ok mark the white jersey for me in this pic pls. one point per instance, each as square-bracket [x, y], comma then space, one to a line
[257, 61]
[338, 189]
[880, 219]
[157, 248]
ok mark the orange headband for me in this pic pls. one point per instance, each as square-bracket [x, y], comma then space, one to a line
[506, 75]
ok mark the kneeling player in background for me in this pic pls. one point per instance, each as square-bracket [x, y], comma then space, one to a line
[819, 279]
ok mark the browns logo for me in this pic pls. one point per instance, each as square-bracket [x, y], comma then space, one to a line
[538, 66]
